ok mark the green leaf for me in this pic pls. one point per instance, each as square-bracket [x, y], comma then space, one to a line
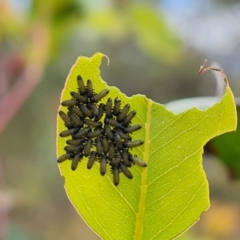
[163, 199]
[226, 147]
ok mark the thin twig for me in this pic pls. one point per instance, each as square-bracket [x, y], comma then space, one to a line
[204, 68]
[220, 84]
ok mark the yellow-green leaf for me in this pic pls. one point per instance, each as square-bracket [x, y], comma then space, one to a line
[163, 199]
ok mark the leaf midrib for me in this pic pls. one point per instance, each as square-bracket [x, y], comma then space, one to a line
[143, 189]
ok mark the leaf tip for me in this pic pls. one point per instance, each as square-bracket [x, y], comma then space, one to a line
[101, 55]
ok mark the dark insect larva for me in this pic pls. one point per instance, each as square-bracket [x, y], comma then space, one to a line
[95, 110]
[83, 132]
[79, 97]
[100, 112]
[111, 151]
[116, 160]
[109, 108]
[76, 122]
[138, 161]
[113, 123]
[125, 171]
[87, 147]
[73, 148]
[103, 165]
[124, 112]
[125, 157]
[64, 157]
[66, 119]
[117, 106]
[68, 132]
[108, 131]
[85, 110]
[76, 160]
[117, 141]
[75, 141]
[91, 160]
[115, 172]
[132, 128]
[128, 118]
[89, 88]
[68, 103]
[99, 147]
[92, 123]
[105, 144]
[76, 111]
[133, 144]
[110, 144]
[81, 85]
[95, 133]
[123, 135]
[100, 95]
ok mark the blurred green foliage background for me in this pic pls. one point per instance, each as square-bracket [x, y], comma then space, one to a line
[155, 48]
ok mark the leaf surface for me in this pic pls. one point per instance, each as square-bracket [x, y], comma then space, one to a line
[163, 199]
[226, 147]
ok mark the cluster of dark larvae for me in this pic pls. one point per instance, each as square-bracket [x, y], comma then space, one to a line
[99, 131]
